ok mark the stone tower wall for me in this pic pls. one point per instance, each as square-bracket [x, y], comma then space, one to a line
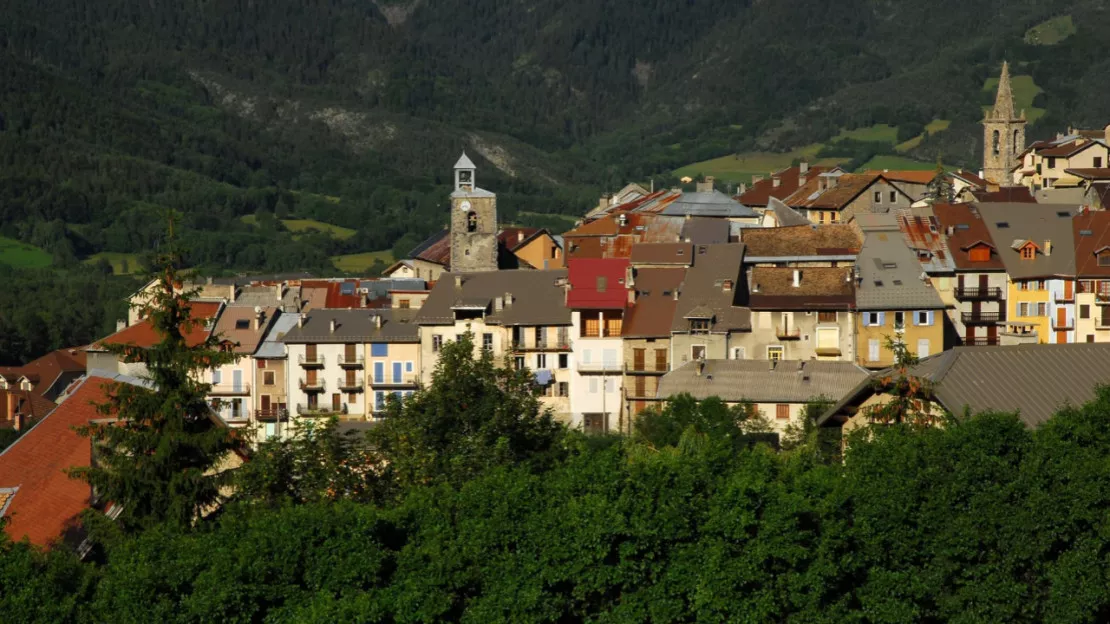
[477, 250]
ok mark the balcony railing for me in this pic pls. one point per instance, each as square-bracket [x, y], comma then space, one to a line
[237, 417]
[973, 318]
[271, 415]
[1102, 298]
[311, 362]
[788, 333]
[1063, 325]
[974, 292]
[981, 342]
[357, 361]
[561, 344]
[318, 411]
[642, 369]
[597, 368]
[1063, 297]
[231, 389]
[408, 380]
[312, 386]
[350, 385]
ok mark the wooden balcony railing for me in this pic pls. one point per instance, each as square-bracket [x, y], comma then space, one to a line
[788, 333]
[968, 293]
[973, 318]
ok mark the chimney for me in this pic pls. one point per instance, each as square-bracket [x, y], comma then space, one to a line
[520, 236]
[744, 187]
[631, 296]
[803, 167]
[675, 294]
[331, 326]
[458, 281]
[231, 293]
[121, 324]
[706, 186]
[1047, 247]
[300, 320]
[258, 316]
[498, 304]
[209, 280]
[797, 278]
[11, 400]
[951, 230]
[756, 179]
[378, 321]
[622, 219]
[280, 288]
[775, 181]
[508, 299]
[771, 365]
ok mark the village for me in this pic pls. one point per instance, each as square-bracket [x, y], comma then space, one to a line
[803, 286]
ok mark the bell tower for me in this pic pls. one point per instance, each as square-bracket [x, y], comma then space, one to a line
[473, 222]
[1003, 134]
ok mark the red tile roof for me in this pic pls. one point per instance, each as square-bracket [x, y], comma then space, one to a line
[513, 237]
[142, 334]
[907, 175]
[597, 283]
[47, 502]
[1066, 149]
[848, 187]
[1092, 232]
[967, 228]
[607, 238]
[761, 192]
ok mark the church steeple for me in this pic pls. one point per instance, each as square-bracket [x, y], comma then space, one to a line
[1003, 134]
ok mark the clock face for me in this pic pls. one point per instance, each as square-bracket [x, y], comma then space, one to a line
[464, 206]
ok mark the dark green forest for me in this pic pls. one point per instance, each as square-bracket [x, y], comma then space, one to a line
[468, 504]
[350, 112]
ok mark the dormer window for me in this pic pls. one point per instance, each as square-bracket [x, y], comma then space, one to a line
[699, 326]
[979, 253]
[1103, 256]
[602, 283]
[1028, 252]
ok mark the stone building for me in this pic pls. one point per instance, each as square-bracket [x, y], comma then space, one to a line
[1003, 134]
[473, 222]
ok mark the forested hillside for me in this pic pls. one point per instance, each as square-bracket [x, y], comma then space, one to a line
[351, 112]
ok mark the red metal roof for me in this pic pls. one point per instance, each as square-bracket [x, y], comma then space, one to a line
[597, 283]
[47, 501]
[336, 299]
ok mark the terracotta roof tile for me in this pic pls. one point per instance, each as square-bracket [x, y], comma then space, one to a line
[848, 187]
[964, 228]
[772, 288]
[761, 192]
[142, 334]
[1092, 232]
[907, 175]
[1090, 173]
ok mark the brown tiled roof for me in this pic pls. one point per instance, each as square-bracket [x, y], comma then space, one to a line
[436, 249]
[1090, 173]
[652, 313]
[761, 192]
[513, 237]
[964, 227]
[142, 334]
[912, 176]
[1065, 150]
[801, 240]
[662, 253]
[607, 238]
[971, 177]
[52, 372]
[772, 288]
[1006, 195]
[1092, 232]
[848, 187]
[245, 339]
[703, 288]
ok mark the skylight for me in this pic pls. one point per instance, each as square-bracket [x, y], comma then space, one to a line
[1085, 232]
[963, 226]
[1002, 225]
[1063, 213]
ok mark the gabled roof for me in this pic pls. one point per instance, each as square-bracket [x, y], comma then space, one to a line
[537, 297]
[435, 249]
[1090, 173]
[970, 178]
[650, 316]
[597, 283]
[355, 326]
[142, 334]
[1032, 222]
[890, 275]
[922, 233]
[772, 288]
[44, 502]
[761, 193]
[244, 327]
[514, 237]
[272, 346]
[704, 289]
[801, 240]
[50, 373]
[785, 215]
[912, 176]
[963, 226]
[1034, 380]
[612, 236]
[1092, 235]
[848, 187]
[786, 381]
[1068, 149]
[705, 230]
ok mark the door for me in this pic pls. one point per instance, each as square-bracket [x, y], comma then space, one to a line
[660, 359]
[976, 309]
[992, 334]
[641, 387]
[310, 377]
[310, 353]
[265, 403]
[638, 359]
[336, 402]
[1068, 292]
[351, 379]
[983, 281]
[349, 353]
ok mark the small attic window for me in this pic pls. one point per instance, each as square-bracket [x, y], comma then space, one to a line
[1002, 225]
[1028, 252]
[897, 282]
[890, 265]
[963, 226]
[1104, 259]
[701, 250]
[1085, 232]
[878, 283]
[242, 323]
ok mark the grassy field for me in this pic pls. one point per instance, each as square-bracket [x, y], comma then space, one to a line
[897, 162]
[1051, 32]
[302, 225]
[933, 127]
[741, 167]
[1024, 91]
[122, 263]
[879, 133]
[22, 256]
[361, 262]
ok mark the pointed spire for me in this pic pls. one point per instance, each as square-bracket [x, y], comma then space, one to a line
[1004, 100]
[464, 162]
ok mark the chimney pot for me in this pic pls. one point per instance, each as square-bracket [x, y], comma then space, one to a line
[458, 281]
[332, 326]
[744, 187]
[775, 181]
[508, 299]
[797, 278]
[378, 321]
[121, 324]
[803, 167]
[756, 179]
[727, 286]
[300, 320]
[1047, 247]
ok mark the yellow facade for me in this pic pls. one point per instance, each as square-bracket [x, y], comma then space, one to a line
[391, 368]
[922, 339]
[542, 252]
[1036, 294]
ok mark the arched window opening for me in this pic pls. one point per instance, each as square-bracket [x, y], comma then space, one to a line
[994, 142]
[1016, 145]
[471, 221]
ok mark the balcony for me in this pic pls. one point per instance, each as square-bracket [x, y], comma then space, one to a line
[316, 361]
[599, 368]
[788, 333]
[561, 344]
[231, 389]
[1066, 324]
[349, 385]
[661, 368]
[973, 293]
[408, 380]
[1102, 298]
[980, 318]
[237, 418]
[1102, 322]
[981, 341]
[351, 362]
[319, 411]
[1063, 297]
[312, 386]
[271, 415]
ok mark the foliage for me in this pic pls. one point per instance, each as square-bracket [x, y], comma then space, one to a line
[940, 189]
[42, 587]
[910, 397]
[8, 436]
[161, 461]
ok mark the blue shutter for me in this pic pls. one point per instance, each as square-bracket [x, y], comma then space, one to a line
[396, 372]
[379, 349]
[931, 318]
[882, 319]
[379, 372]
[408, 367]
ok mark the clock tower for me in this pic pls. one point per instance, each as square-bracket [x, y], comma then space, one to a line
[473, 223]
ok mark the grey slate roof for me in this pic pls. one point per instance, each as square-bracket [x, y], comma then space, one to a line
[1034, 380]
[355, 325]
[272, 346]
[890, 274]
[705, 231]
[464, 162]
[711, 204]
[703, 289]
[759, 381]
[1037, 223]
[785, 215]
[538, 298]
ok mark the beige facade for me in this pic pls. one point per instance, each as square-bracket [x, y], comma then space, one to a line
[1043, 168]
[881, 196]
[797, 335]
[391, 369]
[542, 252]
[922, 331]
[645, 361]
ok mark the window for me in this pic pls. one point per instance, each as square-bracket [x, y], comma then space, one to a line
[697, 352]
[1051, 162]
[352, 397]
[242, 323]
[408, 367]
[261, 364]
[874, 319]
[893, 197]
[923, 317]
[878, 197]
[699, 326]
[923, 348]
[826, 317]
[268, 378]
[981, 253]
[1084, 311]
[541, 360]
[1042, 309]
[471, 221]
[1104, 259]
[217, 377]
[437, 343]
[782, 411]
[873, 350]
[775, 353]
[1028, 252]
[379, 401]
[563, 389]
[1098, 165]
[899, 321]
[381, 349]
[379, 372]
[518, 362]
[592, 328]
[564, 360]
[994, 142]
[487, 342]
[593, 385]
[1090, 337]
[403, 304]
[1023, 309]
[738, 353]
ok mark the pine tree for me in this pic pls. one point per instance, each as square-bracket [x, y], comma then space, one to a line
[159, 452]
[940, 189]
